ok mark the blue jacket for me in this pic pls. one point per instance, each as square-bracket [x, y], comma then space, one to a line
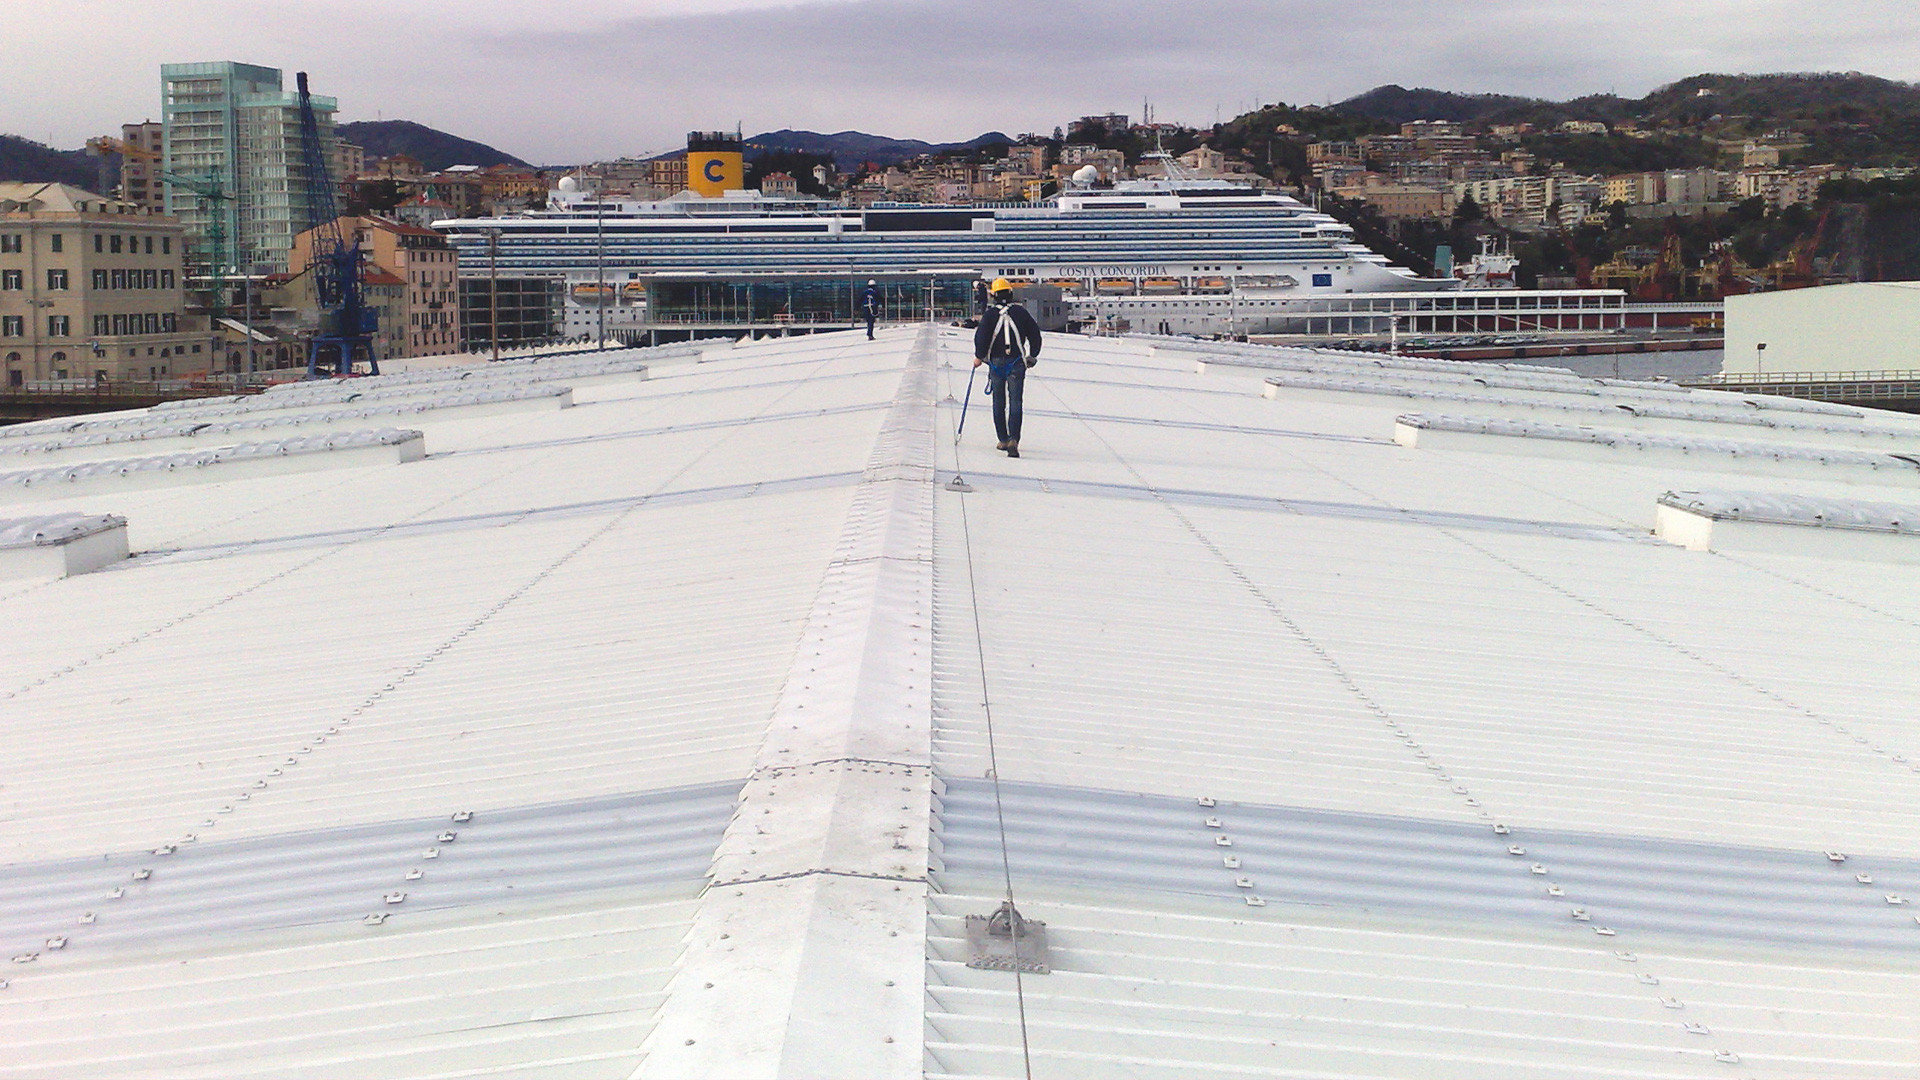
[870, 303]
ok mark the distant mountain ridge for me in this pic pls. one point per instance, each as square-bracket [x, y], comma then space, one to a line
[851, 148]
[1829, 97]
[1398, 105]
[435, 150]
[24, 159]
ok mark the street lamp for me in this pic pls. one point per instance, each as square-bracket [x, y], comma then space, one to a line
[1759, 358]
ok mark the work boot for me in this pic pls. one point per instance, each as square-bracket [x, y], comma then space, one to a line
[1013, 448]
[1001, 445]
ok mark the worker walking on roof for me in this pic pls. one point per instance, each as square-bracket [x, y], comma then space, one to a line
[870, 305]
[1008, 342]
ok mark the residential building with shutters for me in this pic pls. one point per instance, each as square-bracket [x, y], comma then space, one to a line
[90, 288]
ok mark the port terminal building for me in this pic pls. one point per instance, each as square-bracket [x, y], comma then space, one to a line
[1849, 343]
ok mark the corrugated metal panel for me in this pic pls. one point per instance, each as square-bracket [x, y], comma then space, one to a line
[341, 875]
[317, 672]
[1526, 879]
[1660, 729]
[1153, 989]
[558, 990]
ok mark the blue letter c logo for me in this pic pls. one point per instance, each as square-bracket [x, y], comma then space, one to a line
[714, 171]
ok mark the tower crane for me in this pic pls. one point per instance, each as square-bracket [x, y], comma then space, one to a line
[346, 323]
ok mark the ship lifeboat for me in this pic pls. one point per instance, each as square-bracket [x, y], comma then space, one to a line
[593, 294]
[1212, 285]
[1116, 286]
[1160, 286]
[634, 292]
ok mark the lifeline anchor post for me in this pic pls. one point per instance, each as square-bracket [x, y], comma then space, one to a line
[1007, 941]
[959, 483]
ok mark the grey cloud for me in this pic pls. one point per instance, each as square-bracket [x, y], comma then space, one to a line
[564, 86]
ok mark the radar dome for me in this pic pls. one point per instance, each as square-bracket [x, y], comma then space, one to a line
[1086, 175]
[568, 183]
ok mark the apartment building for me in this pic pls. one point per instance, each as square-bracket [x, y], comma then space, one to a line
[669, 174]
[140, 170]
[1697, 185]
[1635, 189]
[1028, 160]
[351, 161]
[90, 288]
[425, 319]
[1404, 201]
[232, 125]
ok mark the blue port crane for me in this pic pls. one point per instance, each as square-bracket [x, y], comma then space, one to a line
[347, 324]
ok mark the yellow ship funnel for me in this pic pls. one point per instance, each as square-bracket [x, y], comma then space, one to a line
[715, 163]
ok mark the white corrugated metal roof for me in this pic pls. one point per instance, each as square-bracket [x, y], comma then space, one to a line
[1317, 754]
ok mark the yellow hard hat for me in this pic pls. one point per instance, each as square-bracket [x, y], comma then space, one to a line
[1000, 284]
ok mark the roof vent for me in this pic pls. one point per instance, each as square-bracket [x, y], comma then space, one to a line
[1789, 524]
[60, 545]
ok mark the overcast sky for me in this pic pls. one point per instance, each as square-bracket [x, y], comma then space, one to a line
[557, 83]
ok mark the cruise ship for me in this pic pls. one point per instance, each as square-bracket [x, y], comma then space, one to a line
[1175, 255]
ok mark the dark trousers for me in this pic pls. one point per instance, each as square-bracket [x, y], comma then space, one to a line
[870, 318]
[1008, 388]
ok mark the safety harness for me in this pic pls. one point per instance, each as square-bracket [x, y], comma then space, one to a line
[1007, 332]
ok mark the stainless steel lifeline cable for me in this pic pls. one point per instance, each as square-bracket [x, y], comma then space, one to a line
[993, 761]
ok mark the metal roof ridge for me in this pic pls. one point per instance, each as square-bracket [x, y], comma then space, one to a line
[814, 923]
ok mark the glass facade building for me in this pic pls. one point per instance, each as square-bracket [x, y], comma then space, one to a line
[232, 125]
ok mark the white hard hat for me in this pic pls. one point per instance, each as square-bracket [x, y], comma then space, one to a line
[870, 281]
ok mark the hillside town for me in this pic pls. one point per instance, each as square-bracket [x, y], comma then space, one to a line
[235, 294]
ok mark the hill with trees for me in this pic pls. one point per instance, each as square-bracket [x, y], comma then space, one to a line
[850, 149]
[1398, 105]
[435, 150]
[24, 159]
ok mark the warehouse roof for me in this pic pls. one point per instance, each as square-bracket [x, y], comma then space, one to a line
[678, 724]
